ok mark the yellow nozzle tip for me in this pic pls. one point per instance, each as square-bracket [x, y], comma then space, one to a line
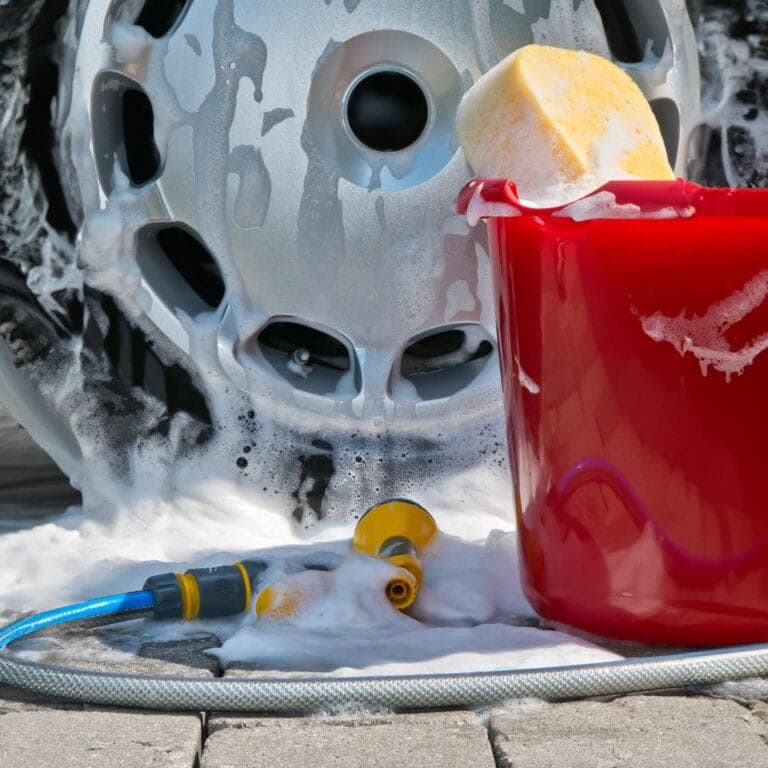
[401, 590]
[397, 517]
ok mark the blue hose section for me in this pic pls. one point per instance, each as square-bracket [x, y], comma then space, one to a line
[128, 602]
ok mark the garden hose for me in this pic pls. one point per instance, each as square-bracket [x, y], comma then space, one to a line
[312, 694]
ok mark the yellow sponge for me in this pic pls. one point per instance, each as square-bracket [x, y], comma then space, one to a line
[560, 123]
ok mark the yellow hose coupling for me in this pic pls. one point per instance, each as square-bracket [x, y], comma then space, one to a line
[205, 593]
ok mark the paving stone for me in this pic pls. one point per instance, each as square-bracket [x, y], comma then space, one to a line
[458, 719]
[189, 654]
[647, 731]
[31, 485]
[760, 710]
[70, 739]
[436, 741]
[744, 691]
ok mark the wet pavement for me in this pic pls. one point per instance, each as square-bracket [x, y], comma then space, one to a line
[31, 486]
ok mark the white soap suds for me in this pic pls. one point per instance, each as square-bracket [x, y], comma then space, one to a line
[526, 381]
[705, 337]
[733, 67]
[575, 26]
[418, 649]
[467, 617]
[603, 205]
[464, 611]
[52, 275]
[479, 208]
[105, 245]
[599, 206]
[608, 154]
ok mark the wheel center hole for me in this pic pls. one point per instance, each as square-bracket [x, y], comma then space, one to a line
[387, 111]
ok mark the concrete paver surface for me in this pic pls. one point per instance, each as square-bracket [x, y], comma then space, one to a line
[631, 732]
[428, 741]
[88, 739]
[31, 485]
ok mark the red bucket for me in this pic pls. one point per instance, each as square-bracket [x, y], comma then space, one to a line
[634, 356]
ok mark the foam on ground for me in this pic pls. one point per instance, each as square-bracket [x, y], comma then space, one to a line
[470, 614]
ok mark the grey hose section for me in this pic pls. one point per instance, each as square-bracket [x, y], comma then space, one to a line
[309, 694]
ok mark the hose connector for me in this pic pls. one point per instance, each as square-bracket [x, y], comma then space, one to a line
[205, 593]
[397, 530]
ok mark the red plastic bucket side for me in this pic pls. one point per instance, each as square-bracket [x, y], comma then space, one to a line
[637, 446]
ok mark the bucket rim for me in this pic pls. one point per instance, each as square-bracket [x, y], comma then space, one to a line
[499, 198]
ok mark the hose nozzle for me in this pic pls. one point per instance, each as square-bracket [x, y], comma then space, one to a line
[397, 530]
